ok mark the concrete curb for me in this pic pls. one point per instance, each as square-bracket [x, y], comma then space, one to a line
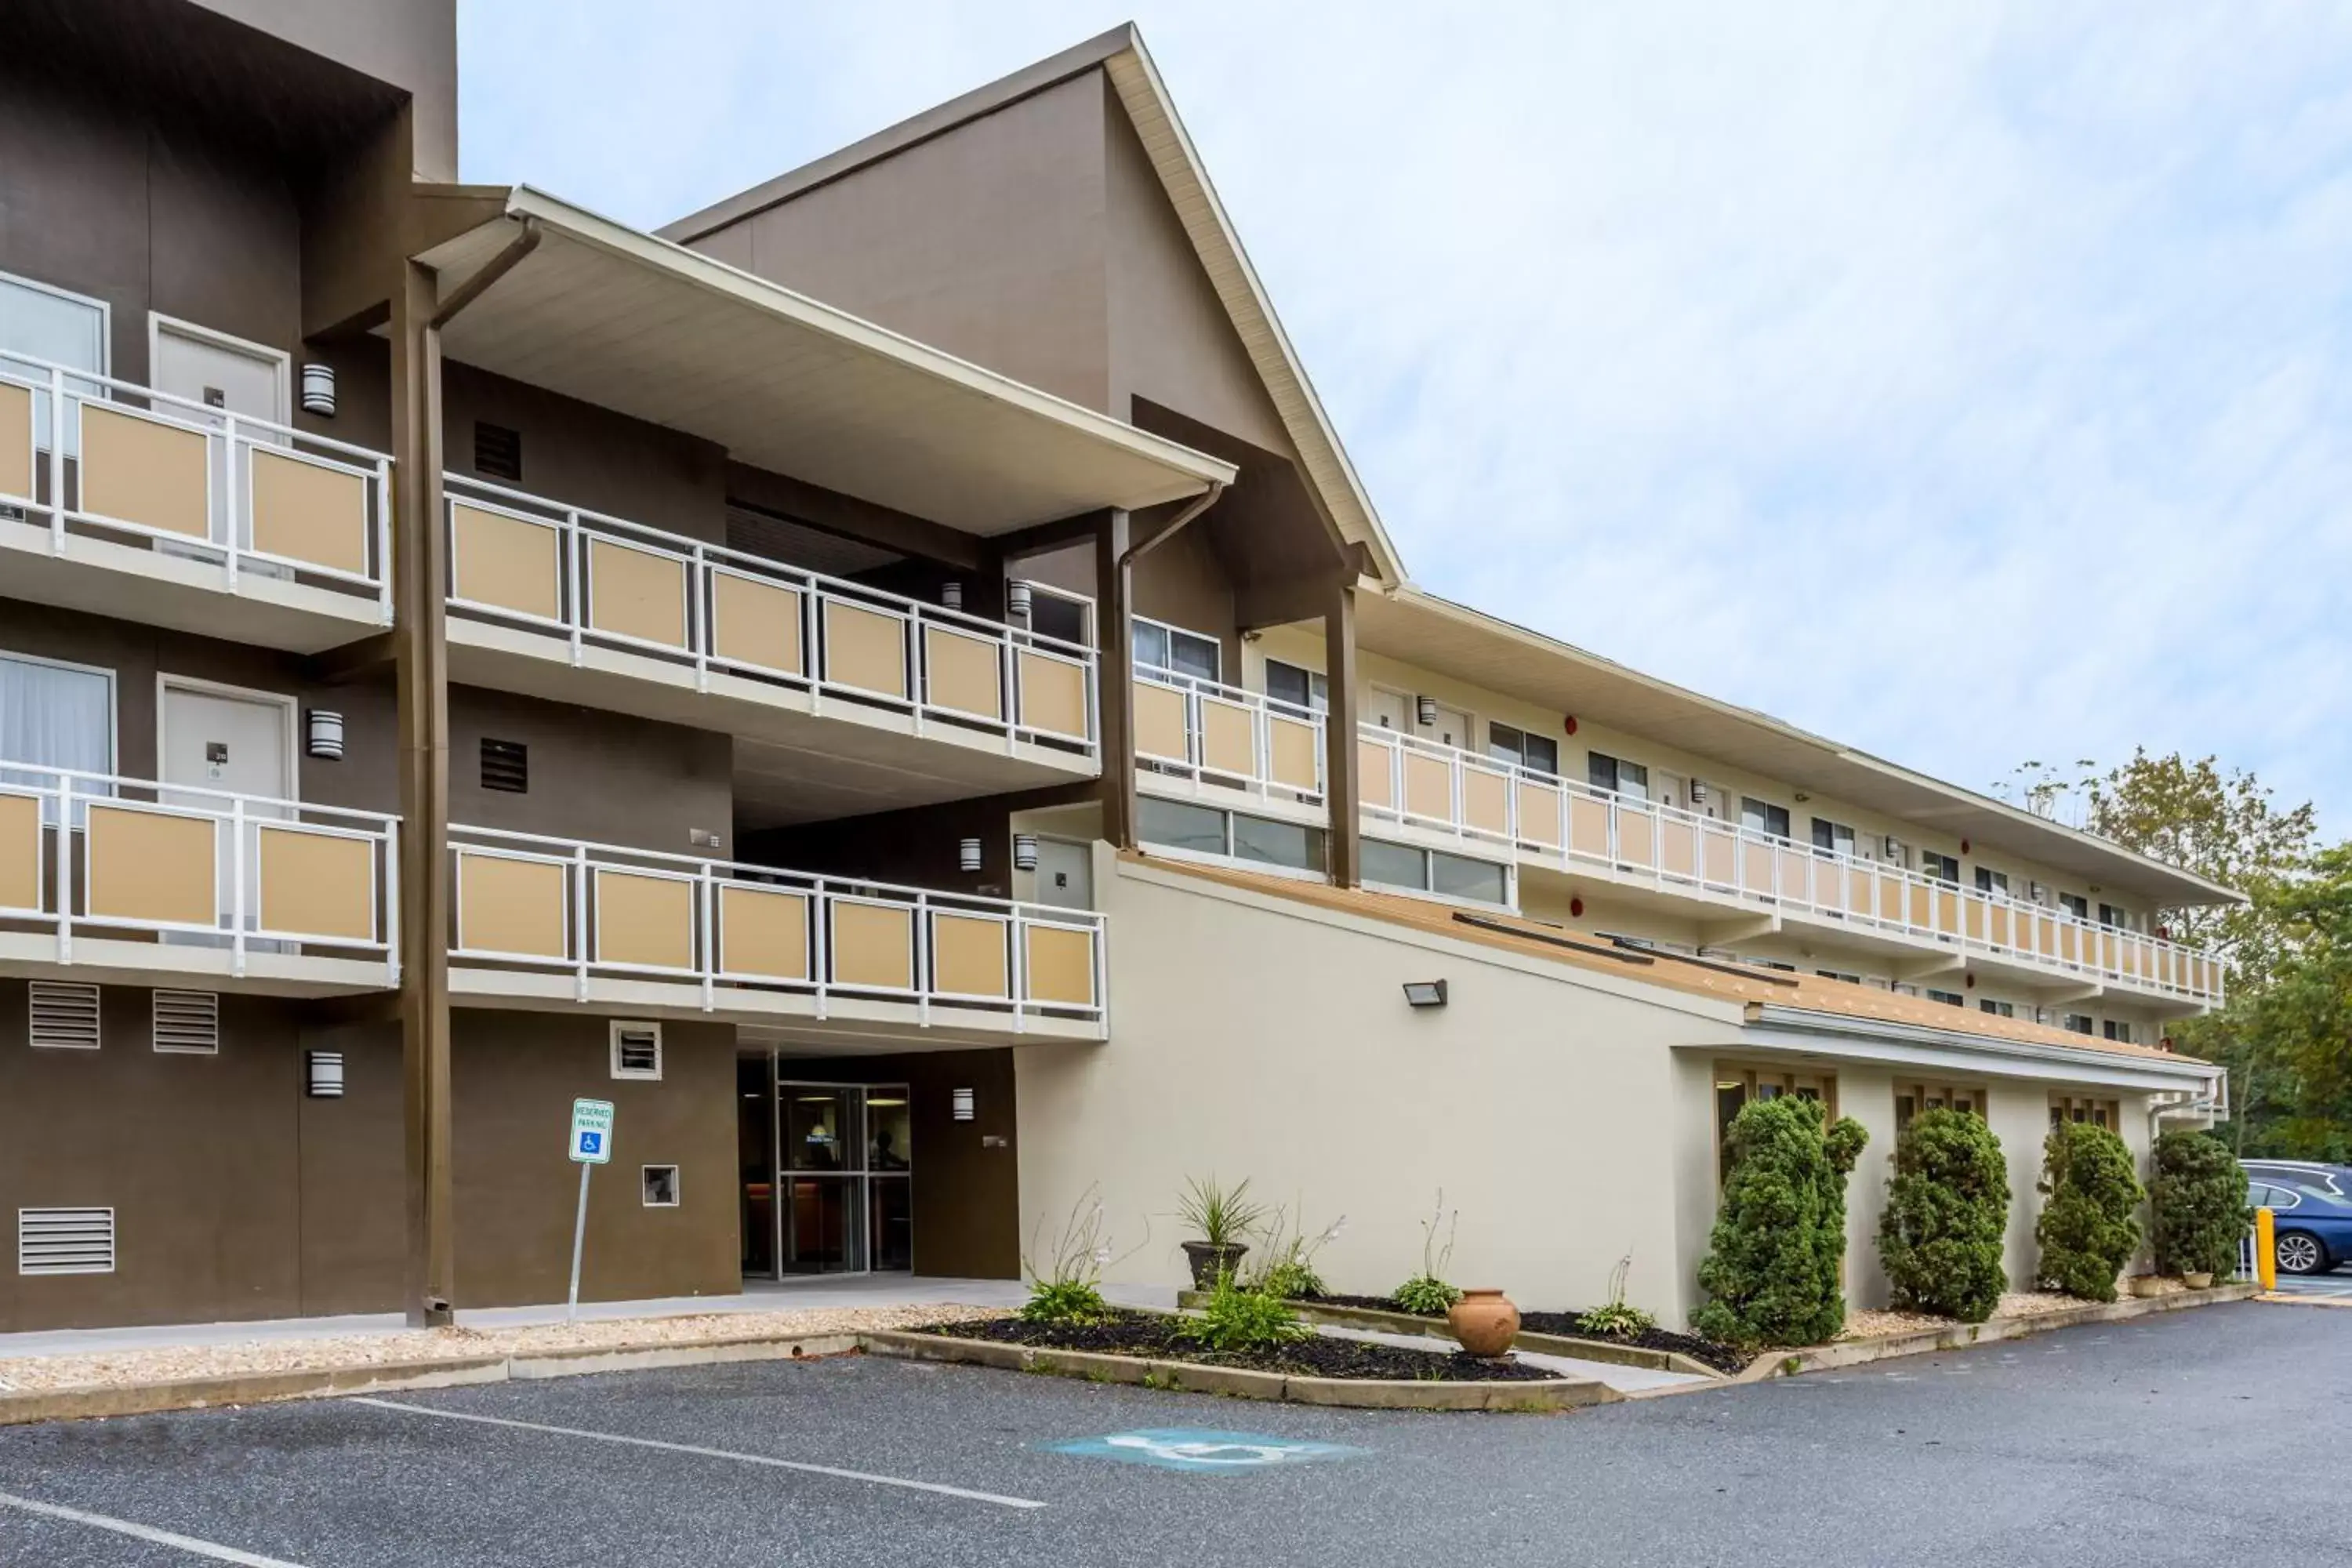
[1539, 1345]
[1236, 1382]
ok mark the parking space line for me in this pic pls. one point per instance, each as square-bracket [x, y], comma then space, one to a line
[995, 1498]
[188, 1543]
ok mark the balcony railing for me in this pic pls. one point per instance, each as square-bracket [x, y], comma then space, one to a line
[91, 454]
[101, 855]
[729, 929]
[1206, 732]
[597, 580]
[1547, 819]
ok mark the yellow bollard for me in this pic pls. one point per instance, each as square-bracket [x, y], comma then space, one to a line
[2266, 1249]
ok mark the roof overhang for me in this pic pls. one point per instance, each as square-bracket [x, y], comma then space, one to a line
[1956, 1050]
[1421, 628]
[627, 321]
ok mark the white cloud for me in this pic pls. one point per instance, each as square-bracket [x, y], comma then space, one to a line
[1967, 382]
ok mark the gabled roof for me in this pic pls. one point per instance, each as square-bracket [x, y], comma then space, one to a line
[1330, 477]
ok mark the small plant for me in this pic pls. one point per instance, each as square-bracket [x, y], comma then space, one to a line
[1239, 1319]
[2197, 1195]
[1947, 1218]
[1772, 1269]
[1220, 1216]
[1618, 1320]
[1288, 1269]
[1065, 1285]
[2090, 1218]
[1427, 1292]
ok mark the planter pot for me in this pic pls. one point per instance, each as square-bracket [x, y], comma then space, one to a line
[2146, 1285]
[1211, 1259]
[2200, 1280]
[1485, 1322]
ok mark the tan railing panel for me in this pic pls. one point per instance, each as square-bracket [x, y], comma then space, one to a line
[1588, 828]
[20, 852]
[317, 884]
[1486, 801]
[1797, 877]
[1428, 787]
[1228, 739]
[873, 944]
[1721, 851]
[508, 561]
[139, 471]
[1892, 899]
[1374, 784]
[307, 511]
[15, 440]
[636, 594]
[2106, 950]
[1159, 723]
[865, 648]
[2048, 934]
[1296, 747]
[1857, 891]
[763, 933]
[964, 673]
[1677, 843]
[644, 920]
[758, 622]
[2131, 957]
[1061, 965]
[1642, 842]
[970, 957]
[1947, 910]
[1756, 866]
[1972, 919]
[1538, 812]
[1998, 920]
[147, 865]
[1053, 693]
[2070, 949]
[511, 906]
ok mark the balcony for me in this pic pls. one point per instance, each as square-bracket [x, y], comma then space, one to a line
[130, 881]
[122, 500]
[1439, 793]
[546, 923]
[1201, 739]
[916, 701]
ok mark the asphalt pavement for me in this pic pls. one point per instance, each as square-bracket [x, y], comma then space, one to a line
[2158, 1441]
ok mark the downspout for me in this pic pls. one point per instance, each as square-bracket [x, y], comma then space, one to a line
[1206, 499]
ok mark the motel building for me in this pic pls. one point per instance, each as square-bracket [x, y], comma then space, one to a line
[894, 682]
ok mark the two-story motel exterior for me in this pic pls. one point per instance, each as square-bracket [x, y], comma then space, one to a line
[894, 683]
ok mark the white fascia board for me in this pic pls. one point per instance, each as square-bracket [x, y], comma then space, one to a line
[1956, 1051]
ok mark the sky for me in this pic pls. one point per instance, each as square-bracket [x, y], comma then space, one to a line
[1970, 382]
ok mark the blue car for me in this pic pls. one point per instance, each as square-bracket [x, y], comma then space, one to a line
[2311, 1210]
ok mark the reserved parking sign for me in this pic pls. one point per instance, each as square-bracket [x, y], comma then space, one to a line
[592, 1131]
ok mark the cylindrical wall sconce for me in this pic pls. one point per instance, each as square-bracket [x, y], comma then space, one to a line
[322, 1074]
[323, 734]
[951, 593]
[1016, 600]
[968, 854]
[1025, 852]
[319, 390]
[1425, 710]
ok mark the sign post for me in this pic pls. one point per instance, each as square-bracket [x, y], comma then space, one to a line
[590, 1146]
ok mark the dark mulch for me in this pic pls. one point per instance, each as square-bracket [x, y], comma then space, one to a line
[1722, 1357]
[1159, 1336]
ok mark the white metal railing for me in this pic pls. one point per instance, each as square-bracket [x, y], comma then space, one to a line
[587, 909]
[84, 852]
[81, 452]
[713, 609]
[1550, 820]
[1206, 732]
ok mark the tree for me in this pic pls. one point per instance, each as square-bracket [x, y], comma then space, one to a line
[2286, 1034]
[1947, 1218]
[2197, 1197]
[1772, 1269]
[2221, 826]
[2090, 1215]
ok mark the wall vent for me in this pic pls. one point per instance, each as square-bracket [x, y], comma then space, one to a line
[65, 1241]
[498, 452]
[64, 1016]
[636, 1050]
[506, 766]
[188, 1022]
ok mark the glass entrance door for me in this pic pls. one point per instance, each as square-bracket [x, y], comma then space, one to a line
[844, 1169]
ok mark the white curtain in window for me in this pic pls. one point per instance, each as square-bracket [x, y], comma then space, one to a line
[55, 717]
[52, 327]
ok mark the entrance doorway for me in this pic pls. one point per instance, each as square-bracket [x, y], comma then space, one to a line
[221, 738]
[214, 370]
[1066, 874]
[828, 1174]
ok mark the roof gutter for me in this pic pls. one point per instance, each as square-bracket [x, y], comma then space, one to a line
[1809, 1021]
[1201, 503]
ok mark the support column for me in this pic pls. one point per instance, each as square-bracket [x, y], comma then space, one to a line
[1339, 753]
[1114, 660]
[420, 650]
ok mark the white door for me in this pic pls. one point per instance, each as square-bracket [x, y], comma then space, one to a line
[1066, 874]
[1452, 729]
[1386, 708]
[216, 741]
[234, 376]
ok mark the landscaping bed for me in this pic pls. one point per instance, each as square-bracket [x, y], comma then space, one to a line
[1160, 1336]
[1563, 1325]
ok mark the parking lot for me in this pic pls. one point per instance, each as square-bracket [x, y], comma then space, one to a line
[2155, 1441]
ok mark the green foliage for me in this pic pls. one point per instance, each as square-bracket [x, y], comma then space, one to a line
[1286, 1267]
[1425, 1294]
[1617, 1319]
[2197, 1195]
[1065, 1301]
[2090, 1213]
[1427, 1291]
[1241, 1320]
[1064, 1283]
[1772, 1269]
[1946, 1217]
[1220, 1216]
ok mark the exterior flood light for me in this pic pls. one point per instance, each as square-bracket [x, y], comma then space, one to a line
[1424, 993]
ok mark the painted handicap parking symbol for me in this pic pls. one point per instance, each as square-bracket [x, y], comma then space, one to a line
[1203, 1453]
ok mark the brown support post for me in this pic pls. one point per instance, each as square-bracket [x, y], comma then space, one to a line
[420, 657]
[1340, 768]
[1114, 610]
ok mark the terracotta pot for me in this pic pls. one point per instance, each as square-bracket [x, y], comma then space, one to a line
[1211, 1259]
[1485, 1322]
[2199, 1281]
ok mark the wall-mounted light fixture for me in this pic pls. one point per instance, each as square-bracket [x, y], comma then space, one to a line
[322, 1074]
[951, 593]
[1025, 852]
[322, 735]
[1424, 993]
[962, 1104]
[1569, 724]
[1964, 846]
[1425, 710]
[968, 854]
[1016, 600]
[319, 390]
[1575, 908]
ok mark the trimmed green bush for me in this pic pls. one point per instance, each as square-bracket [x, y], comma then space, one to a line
[2198, 1197]
[2090, 1215]
[1771, 1269]
[1947, 1218]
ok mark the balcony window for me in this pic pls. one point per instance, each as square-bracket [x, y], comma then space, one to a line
[1834, 974]
[2119, 919]
[1833, 837]
[1159, 646]
[2077, 1023]
[1763, 817]
[1205, 830]
[1940, 868]
[1300, 688]
[1065, 618]
[1997, 1009]
[1193, 829]
[2075, 905]
[1629, 779]
[1992, 881]
[1435, 871]
[58, 716]
[50, 324]
[2117, 1029]
[1537, 753]
[1270, 843]
[1948, 998]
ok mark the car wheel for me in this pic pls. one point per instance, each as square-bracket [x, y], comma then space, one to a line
[2298, 1253]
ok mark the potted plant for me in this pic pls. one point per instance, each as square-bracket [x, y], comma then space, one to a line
[1222, 1216]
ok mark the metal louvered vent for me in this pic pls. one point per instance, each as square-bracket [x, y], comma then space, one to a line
[65, 1241]
[636, 1050]
[64, 1016]
[187, 1022]
[506, 766]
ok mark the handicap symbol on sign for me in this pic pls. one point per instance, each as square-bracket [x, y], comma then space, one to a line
[1203, 1453]
[590, 1143]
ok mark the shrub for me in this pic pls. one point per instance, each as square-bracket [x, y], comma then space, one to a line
[1772, 1269]
[1617, 1319]
[1427, 1291]
[1064, 1285]
[1425, 1294]
[1947, 1218]
[2197, 1195]
[2090, 1222]
[1240, 1320]
[1220, 1216]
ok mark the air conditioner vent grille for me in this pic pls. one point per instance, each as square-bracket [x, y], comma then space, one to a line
[64, 1016]
[187, 1023]
[65, 1241]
